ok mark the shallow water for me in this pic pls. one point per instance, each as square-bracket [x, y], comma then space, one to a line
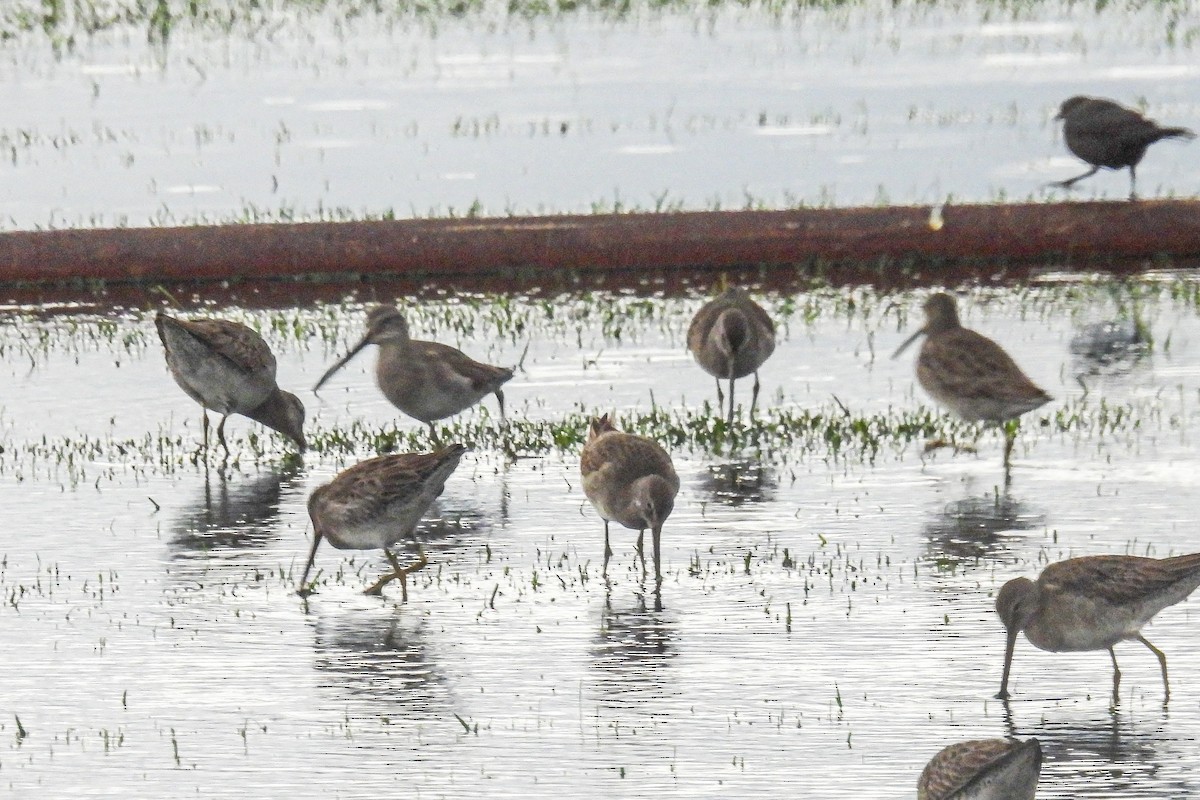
[826, 621]
[315, 115]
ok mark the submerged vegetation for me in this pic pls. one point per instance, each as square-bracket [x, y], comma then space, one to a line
[836, 429]
[65, 20]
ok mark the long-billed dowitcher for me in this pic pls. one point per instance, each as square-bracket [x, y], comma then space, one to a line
[732, 336]
[629, 479]
[983, 769]
[1093, 602]
[377, 502]
[1106, 134]
[228, 368]
[428, 381]
[969, 373]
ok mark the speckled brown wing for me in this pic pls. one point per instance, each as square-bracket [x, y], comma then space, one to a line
[959, 766]
[1118, 580]
[629, 456]
[955, 766]
[364, 491]
[968, 365]
[483, 377]
[236, 343]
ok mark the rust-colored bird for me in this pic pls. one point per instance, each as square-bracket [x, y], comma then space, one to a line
[226, 367]
[377, 502]
[983, 769]
[1093, 602]
[1106, 134]
[629, 479]
[731, 336]
[969, 373]
[428, 381]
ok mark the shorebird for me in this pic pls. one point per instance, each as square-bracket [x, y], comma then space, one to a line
[228, 368]
[629, 479]
[983, 769]
[428, 381]
[376, 503]
[1091, 603]
[970, 373]
[1106, 134]
[732, 336]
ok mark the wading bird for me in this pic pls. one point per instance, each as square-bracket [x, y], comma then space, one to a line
[969, 373]
[376, 503]
[983, 769]
[228, 368]
[428, 381]
[1093, 602]
[629, 479]
[731, 336]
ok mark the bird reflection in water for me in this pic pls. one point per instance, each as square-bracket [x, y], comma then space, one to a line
[979, 525]
[739, 482]
[1110, 349]
[1113, 754]
[379, 654]
[232, 513]
[631, 651]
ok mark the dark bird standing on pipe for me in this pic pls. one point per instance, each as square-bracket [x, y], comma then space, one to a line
[228, 368]
[970, 373]
[377, 502]
[1106, 134]
[426, 380]
[1093, 602]
[732, 336]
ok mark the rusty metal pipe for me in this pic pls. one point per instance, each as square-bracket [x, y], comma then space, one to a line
[1118, 235]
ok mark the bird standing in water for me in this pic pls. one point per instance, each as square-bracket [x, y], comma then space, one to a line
[983, 769]
[969, 373]
[629, 479]
[732, 336]
[376, 503]
[428, 381]
[1093, 602]
[226, 367]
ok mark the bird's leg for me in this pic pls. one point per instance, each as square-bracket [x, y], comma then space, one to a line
[641, 551]
[656, 536]
[221, 434]
[304, 591]
[1162, 662]
[437, 441]
[754, 395]
[1132, 182]
[720, 397]
[729, 421]
[607, 550]
[1117, 676]
[1010, 429]
[500, 397]
[204, 420]
[1067, 184]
